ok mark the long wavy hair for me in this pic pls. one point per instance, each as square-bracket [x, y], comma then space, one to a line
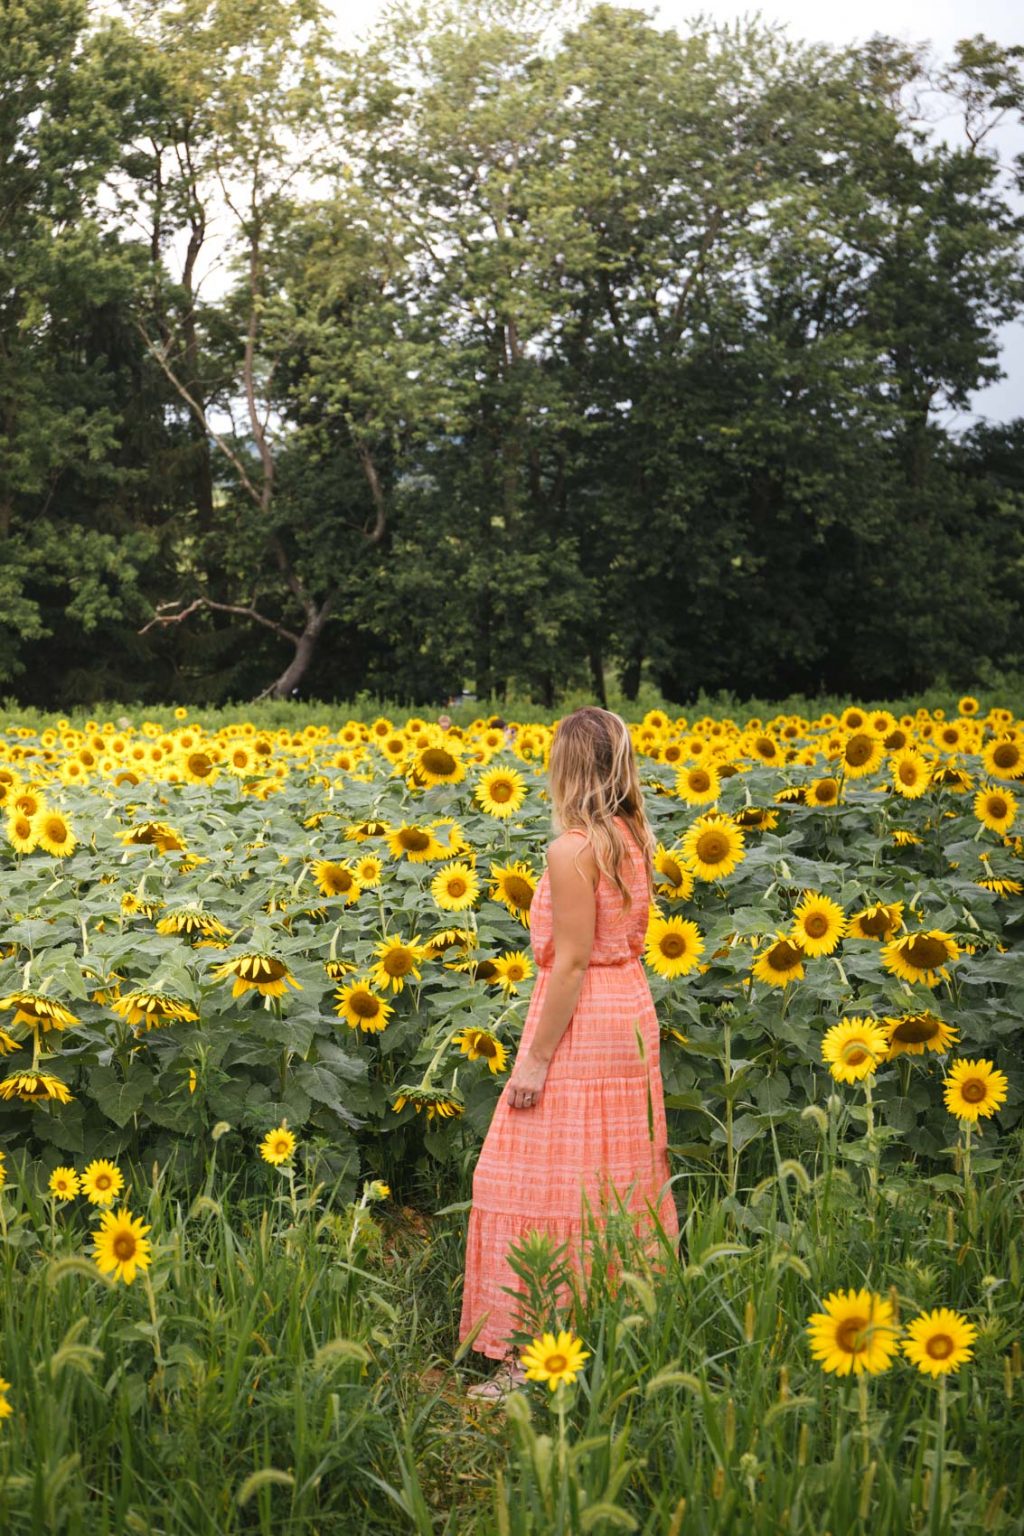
[592, 778]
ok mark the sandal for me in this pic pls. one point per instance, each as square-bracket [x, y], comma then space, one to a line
[506, 1378]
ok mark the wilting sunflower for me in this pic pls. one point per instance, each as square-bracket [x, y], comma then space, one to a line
[64, 1184]
[554, 1358]
[335, 878]
[514, 885]
[1001, 887]
[417, 844]
[436, 765]
[54, 834]
[455, 887]
[910, 773]
[974, 1088]
[912, 1034]
[995, 808]
[713, 847]
[698, 784]
[878, 922]
[101, 1182]
[436, 1102]
[138, 906]
[361, 1007]
[35, 1087]
[818, 924]
[500, 791]
[781, 963]
[154, 1010]
[481, 1045]
[677, 879]
[278, 1146]
[795, 794]
[822, 792]
[38, 1011]
[757, 818]
[120, 1245]
[154, 834]
[514, 967]
[21, 833]
[673, 946]
[939, 1341]
[904, 839]
[257, 972]
[363, 831]
[437, 943]
[855, 1333]
[398, 963]
[336, 969]
[921, 956]
[854, 1048]
[862, 753]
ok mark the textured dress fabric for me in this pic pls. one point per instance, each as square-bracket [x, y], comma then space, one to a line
[599, 1122]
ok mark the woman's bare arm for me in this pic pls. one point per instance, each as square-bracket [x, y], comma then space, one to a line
[572, 878]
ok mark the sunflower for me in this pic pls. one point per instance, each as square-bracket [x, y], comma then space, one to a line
[436, 765]
[258, 972]
[995, 808]
[54, 834]
[862, 753]
[38, 1011]
[35, 1087]
[481, 1045]
[153, 1010]
[904, 839]
[500, 792]
[398, 963]
[678, 879]
[241, 761]
[138, 906]
[368, 870]
[278, 1146]
[363, 831]
[757, 818]
[921, 956]
[912, 1034]
[198, 767]
[781, 963]
[455, 887]
[361, 1007]
[554, 1358]
[514, 967]
[5, 1408]
[514, 885]
[856, 1332]
[968, 705]
[910, 773]
[673, 946]
[64, 1184]
[1003, 758]
[101, 1182]
[154, 834]
[435, 1101]
[853, 1049]
[939, 1341]
[824, 791]
[27, 802]
[335, 878]
[1001, 887]
[447, 939]
[21, 833]
[818, 924]
[120, 1245]
[417, 844]
[974, 1088]
[878, 922]
[699, 784]
[713, 847]
[190, 920]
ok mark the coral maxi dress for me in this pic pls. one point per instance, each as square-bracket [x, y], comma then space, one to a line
[600, 1115]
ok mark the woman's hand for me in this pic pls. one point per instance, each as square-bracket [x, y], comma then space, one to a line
[524, 1086]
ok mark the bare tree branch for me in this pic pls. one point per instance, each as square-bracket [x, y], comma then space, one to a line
[164, 616]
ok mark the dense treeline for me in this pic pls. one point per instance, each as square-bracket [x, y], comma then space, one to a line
[511, 347]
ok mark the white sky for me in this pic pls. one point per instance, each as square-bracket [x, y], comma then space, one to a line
[940, 22]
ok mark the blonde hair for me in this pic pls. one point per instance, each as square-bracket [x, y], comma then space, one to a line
[592, 778]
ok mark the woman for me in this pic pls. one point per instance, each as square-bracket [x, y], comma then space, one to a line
[584, 1103]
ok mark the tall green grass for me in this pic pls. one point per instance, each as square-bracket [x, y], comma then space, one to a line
[288, 1364]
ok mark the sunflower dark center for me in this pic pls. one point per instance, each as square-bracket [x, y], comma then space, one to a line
[859, 749]
[670, 868]
[414, 840]
[700, 780]
[851, 1335]
[1006, 755]
[518, 891]
[712, 847]
[826, 791]
[398, 962]
[876, 923]
[855, 1053]
[672, 945]
[926, 953]
[939, 1346]
[917, 1028]
[997, 806]
[973, 1090]
[437, 760]
[456, 886]
[501, 791]
[364, 1005]
[816, 925]
[908, 773]
[555, 1363]
[124, 1246]
[783, 956]
[200, 764]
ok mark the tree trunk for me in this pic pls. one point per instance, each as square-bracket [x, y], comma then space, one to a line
[305, 649]
[631, 674]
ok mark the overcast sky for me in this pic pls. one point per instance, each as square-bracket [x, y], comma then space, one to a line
[940, 22]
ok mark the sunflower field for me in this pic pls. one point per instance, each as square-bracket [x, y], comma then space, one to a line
[259, 992]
